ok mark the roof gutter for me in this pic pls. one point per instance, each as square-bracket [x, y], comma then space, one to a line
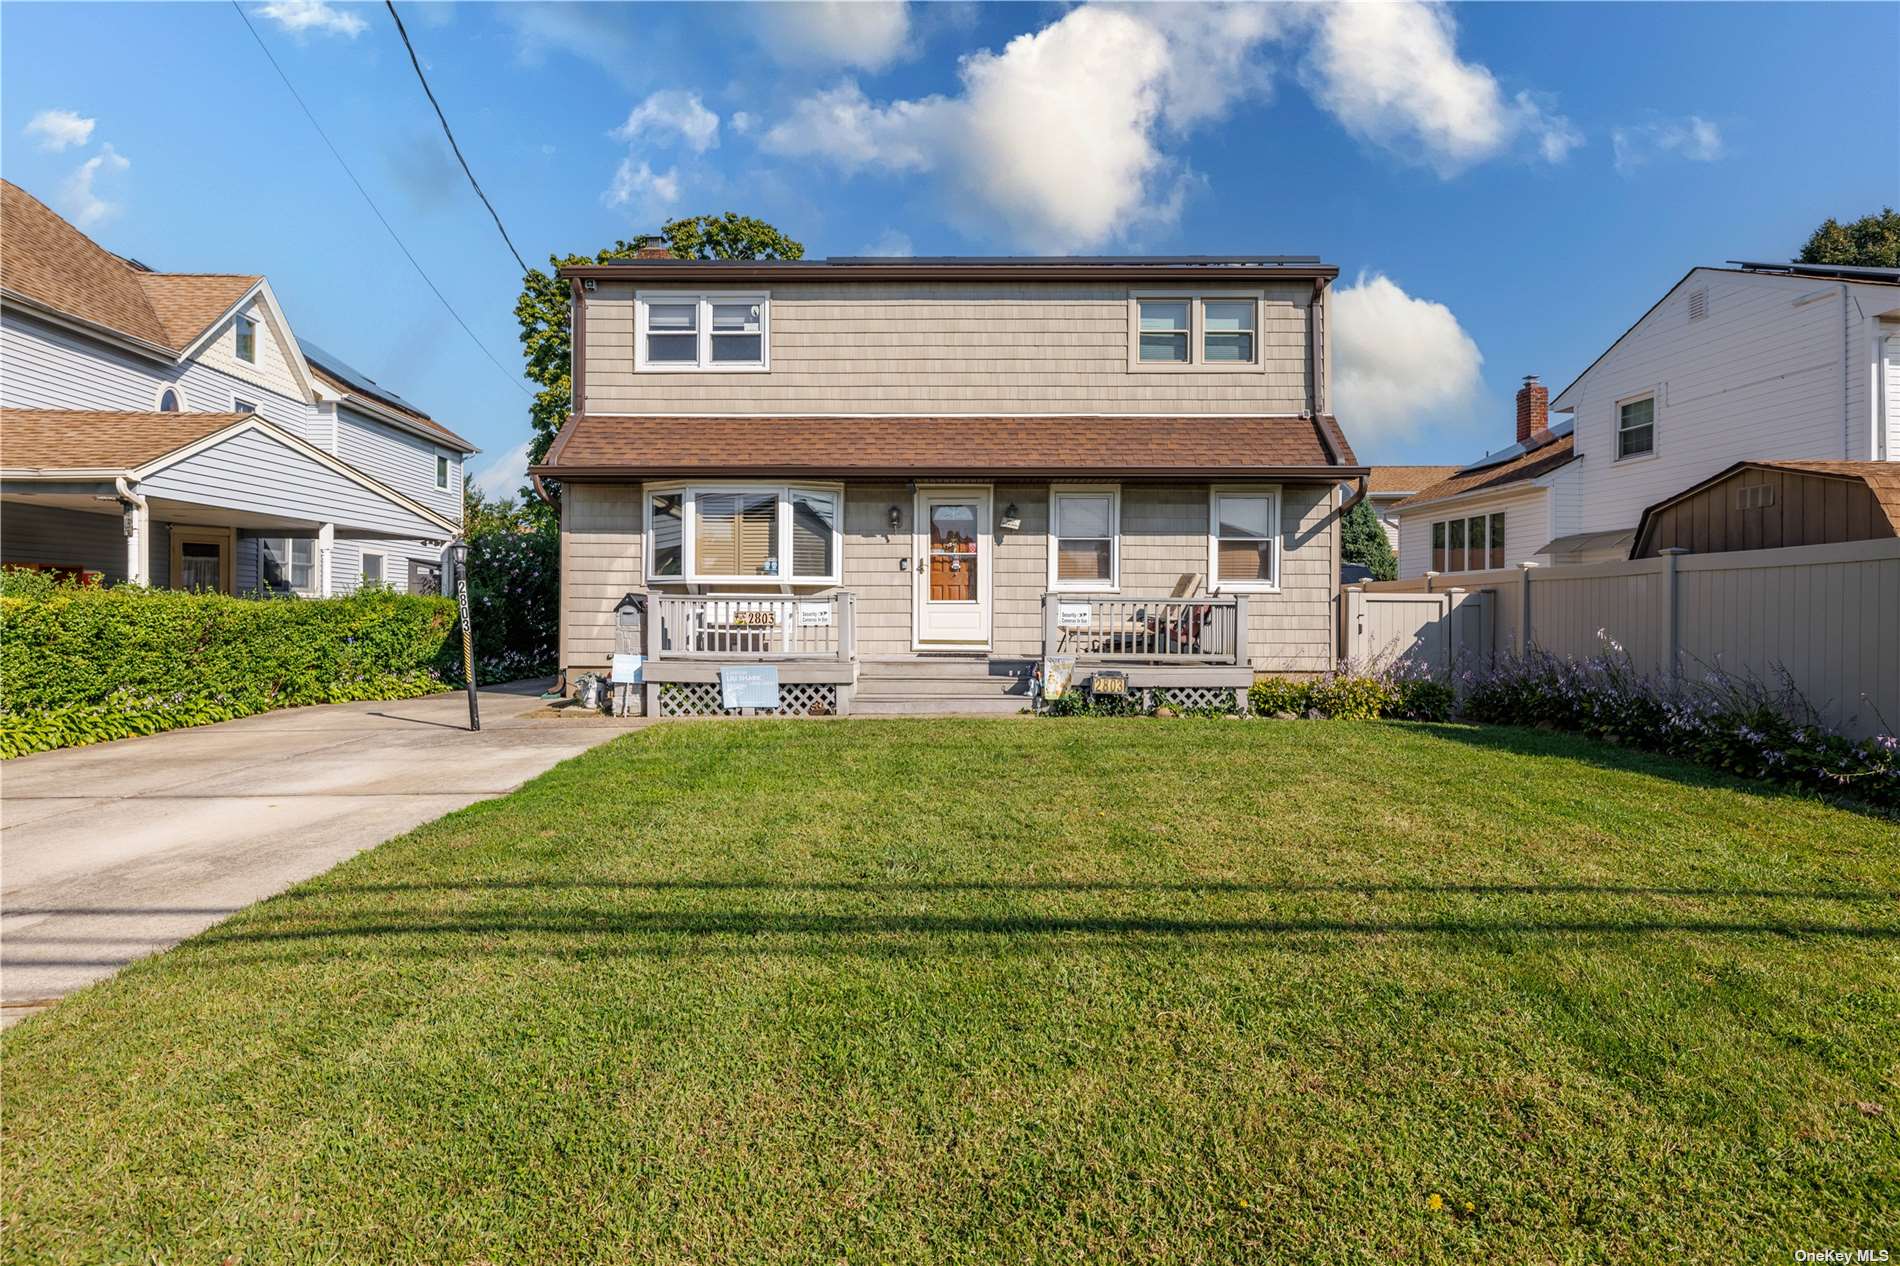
[755, 270]
[127, 498]
[91, 329]
[831, 471]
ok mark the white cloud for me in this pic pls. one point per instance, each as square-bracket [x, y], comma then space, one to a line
[741, 121]
[503, 476]
[1391, 75]
[672, 114]
[646, 195]
[302, 17]
[889, 242]
[60, 129]
[79, 199]
[1693, 138]
[865, 34]
[1054, 136]
[1396, 360]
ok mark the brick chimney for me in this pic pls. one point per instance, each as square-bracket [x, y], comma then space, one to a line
[653, 248]
[1533, 411]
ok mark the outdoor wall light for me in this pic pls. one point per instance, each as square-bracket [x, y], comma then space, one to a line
[897, 518]
[1012, 518]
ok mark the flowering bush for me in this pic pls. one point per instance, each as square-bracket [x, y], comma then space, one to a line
[1736, 724]
[514, 595]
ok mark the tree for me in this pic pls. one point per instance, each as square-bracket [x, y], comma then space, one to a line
[543, 312]
[1362, 540]
[1873, 241]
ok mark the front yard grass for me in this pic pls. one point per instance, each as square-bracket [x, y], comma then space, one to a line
[1011, 991]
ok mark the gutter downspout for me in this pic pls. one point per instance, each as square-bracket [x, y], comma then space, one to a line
[138, 555]
[1365, 486]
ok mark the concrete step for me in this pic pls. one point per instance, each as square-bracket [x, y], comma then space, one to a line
[971, 688]
[958, 669]
[912, 705]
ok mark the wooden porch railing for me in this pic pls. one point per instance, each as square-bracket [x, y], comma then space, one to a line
[1205, 630]
[751, 626]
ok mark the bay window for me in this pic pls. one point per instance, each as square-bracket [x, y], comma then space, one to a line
[1244, 539]
[744, 534]
[700, 332]
[1084, 538]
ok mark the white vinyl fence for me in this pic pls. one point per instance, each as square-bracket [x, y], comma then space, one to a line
[1824, 618]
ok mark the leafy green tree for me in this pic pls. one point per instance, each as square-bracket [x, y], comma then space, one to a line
[1873, 241]
[542, 308]
[1362, 540]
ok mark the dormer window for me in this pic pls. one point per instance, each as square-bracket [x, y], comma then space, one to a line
[1195, 332]
[247, 340]
[676, 332]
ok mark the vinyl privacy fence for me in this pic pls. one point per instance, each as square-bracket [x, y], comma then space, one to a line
[1822, 618]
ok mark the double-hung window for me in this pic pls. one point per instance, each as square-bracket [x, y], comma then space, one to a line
[675, 332]
[1244, 539]
[1213, 332]
[288, 564]
[1636, 427]
[744, 534]
[1084, 538]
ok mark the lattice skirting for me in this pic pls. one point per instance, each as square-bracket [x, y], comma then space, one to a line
[1199, 696]
[701, 699]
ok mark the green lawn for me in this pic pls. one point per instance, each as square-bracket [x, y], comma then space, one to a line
[1011, 991]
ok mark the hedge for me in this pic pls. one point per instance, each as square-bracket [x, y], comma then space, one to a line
[84, 663]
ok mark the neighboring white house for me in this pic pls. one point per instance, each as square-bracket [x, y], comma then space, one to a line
[1758, 362]
[170, 428]
[1389, 485]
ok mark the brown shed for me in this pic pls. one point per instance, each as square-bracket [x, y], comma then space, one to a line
[1772, 504]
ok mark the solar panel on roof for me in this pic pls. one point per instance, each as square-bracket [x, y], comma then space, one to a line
[336, 367]
[1516, 451]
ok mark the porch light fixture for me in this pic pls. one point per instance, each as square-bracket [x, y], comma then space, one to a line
[897, 518]
[1012, 518]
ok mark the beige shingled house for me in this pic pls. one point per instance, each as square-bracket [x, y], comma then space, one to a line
[905, 484]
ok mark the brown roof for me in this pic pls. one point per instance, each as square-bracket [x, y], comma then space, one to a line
[84, 439]
[1400, 479]
[421, 420]
[51, 263]
[622, 447]
[1539, 461]
[1882, 479]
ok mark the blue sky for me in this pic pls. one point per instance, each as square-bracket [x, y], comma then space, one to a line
[1505, 187]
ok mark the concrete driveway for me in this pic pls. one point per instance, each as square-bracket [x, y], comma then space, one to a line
[113, 852]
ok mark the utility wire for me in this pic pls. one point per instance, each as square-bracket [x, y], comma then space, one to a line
[335, 153]
[423, 80]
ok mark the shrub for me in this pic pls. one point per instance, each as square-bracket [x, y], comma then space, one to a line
[1278, 694]
[1740, 725]
[1422, 699]
[81, 664]
[1351, 698]
[514, 595]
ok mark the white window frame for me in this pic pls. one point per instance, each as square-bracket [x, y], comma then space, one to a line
[1057, 494]
[1654, 396]
[381, 557]
[1276, 504]
[239, 404]
[705, 299]
[1488, 517]
[1197, 362]
[158, 397]
[689, 530]
[290, 551]
[238, 324]
[442, 471]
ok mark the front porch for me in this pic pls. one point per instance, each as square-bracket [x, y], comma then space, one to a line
[1193, 649]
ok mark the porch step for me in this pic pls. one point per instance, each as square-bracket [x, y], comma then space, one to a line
[927, 705]
[960, 668]
[944, 687]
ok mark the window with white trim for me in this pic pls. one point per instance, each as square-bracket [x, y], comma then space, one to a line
[241, 405]
[1244, 538]
[371, 572]
[1084, 537]
[170, 400]
[287, 564]
[774, 534]
[1475, 543]
[1216, 332]
[1636, 427]
[675, 332]
[246, 331]
[441, 470]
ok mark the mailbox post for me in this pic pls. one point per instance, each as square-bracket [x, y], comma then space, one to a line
[458, 559]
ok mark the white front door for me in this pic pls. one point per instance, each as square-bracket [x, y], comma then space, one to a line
[951, 542]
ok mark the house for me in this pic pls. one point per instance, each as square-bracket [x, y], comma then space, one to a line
[1754, 362]
[1776, 505]
[171, 429]
[1389, 485]
[1501, 510]
[906, 482]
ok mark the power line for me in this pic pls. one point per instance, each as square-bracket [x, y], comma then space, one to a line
[423, 80]
[387, 227]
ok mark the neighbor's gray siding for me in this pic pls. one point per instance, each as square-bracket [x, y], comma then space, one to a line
[1164, 540]
[251, 471]
[949, 347]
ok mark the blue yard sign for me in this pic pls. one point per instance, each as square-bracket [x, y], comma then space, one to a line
[754, 686]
